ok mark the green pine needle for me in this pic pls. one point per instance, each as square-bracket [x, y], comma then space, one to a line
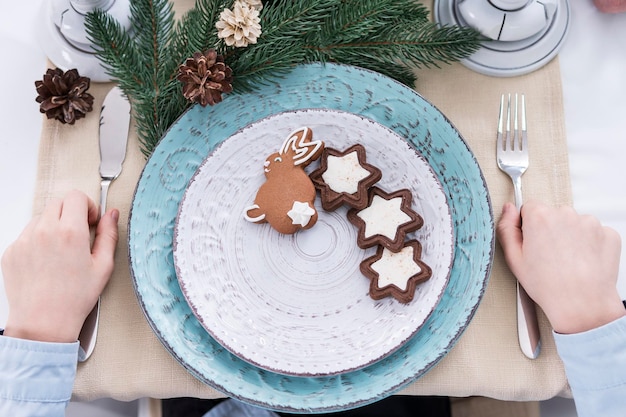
[393, 37]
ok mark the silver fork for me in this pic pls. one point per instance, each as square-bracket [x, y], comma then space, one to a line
[512, 156]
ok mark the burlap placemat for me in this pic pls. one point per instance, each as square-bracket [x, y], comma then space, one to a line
[129, 361]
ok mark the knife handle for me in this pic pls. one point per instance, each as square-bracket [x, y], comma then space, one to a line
[104, 191]
[527, 324]
[89, 331]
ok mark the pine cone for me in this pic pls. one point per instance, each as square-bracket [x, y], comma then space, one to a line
[240, 26]
[63, 95]
[255, 4]
[205, 77]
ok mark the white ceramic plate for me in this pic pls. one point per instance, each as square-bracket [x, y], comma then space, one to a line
[298, 304]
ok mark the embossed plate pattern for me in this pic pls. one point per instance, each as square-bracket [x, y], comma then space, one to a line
[298, 304]
[188, 142]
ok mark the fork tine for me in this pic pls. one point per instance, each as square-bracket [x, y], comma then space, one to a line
[516, 145]
[507, 137]
[524, 135]
[499, 143]
[500, 117]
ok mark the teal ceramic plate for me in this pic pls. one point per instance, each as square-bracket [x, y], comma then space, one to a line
[299, 304]
[337, 87]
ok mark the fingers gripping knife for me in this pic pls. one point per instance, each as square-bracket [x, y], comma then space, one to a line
[114, 125]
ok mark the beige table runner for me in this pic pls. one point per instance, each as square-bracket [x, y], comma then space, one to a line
[129, 361]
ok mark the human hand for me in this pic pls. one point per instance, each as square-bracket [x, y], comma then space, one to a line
[610, 6]
[53, 275]
[566, 262]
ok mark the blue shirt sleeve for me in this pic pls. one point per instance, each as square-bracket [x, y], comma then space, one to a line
[595, 364]
[36, 378]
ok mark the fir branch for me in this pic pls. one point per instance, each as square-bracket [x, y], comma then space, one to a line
[151, 23]
[364, 19]
[194, 32]
[259, 65]
[142, 67]
[389, 36]
[115, 49]
[285, 26]
[294, 19]
[428, 46]
[374, 34]
[196, 29]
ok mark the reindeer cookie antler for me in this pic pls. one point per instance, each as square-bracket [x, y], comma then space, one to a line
[286, 199]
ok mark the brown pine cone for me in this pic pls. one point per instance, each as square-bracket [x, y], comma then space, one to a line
[63, 95]
[205, 77]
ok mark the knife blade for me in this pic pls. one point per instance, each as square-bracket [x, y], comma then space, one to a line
[114, 126]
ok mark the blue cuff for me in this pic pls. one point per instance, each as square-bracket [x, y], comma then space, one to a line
[595, 359]
[595, 364]
[36, 372]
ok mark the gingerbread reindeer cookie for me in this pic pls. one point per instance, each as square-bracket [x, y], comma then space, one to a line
[286, 199]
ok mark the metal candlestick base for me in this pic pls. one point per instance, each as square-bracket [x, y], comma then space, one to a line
[63, 37]
[519, 42]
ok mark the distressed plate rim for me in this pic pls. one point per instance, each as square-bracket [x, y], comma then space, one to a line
[362, 92]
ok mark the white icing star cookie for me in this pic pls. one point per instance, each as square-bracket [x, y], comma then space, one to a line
[396, 274]
[386, 220]
[344, 177]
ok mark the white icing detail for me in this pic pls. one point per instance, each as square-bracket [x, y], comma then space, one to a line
[343, 173]
[383, 217]
[304, 150]
[278, 159]
[253, 219]
[301, 213]
[396, 268]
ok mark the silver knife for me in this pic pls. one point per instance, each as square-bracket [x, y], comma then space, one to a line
[114, 125]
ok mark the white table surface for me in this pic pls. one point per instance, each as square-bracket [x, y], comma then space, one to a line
[593, 65]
